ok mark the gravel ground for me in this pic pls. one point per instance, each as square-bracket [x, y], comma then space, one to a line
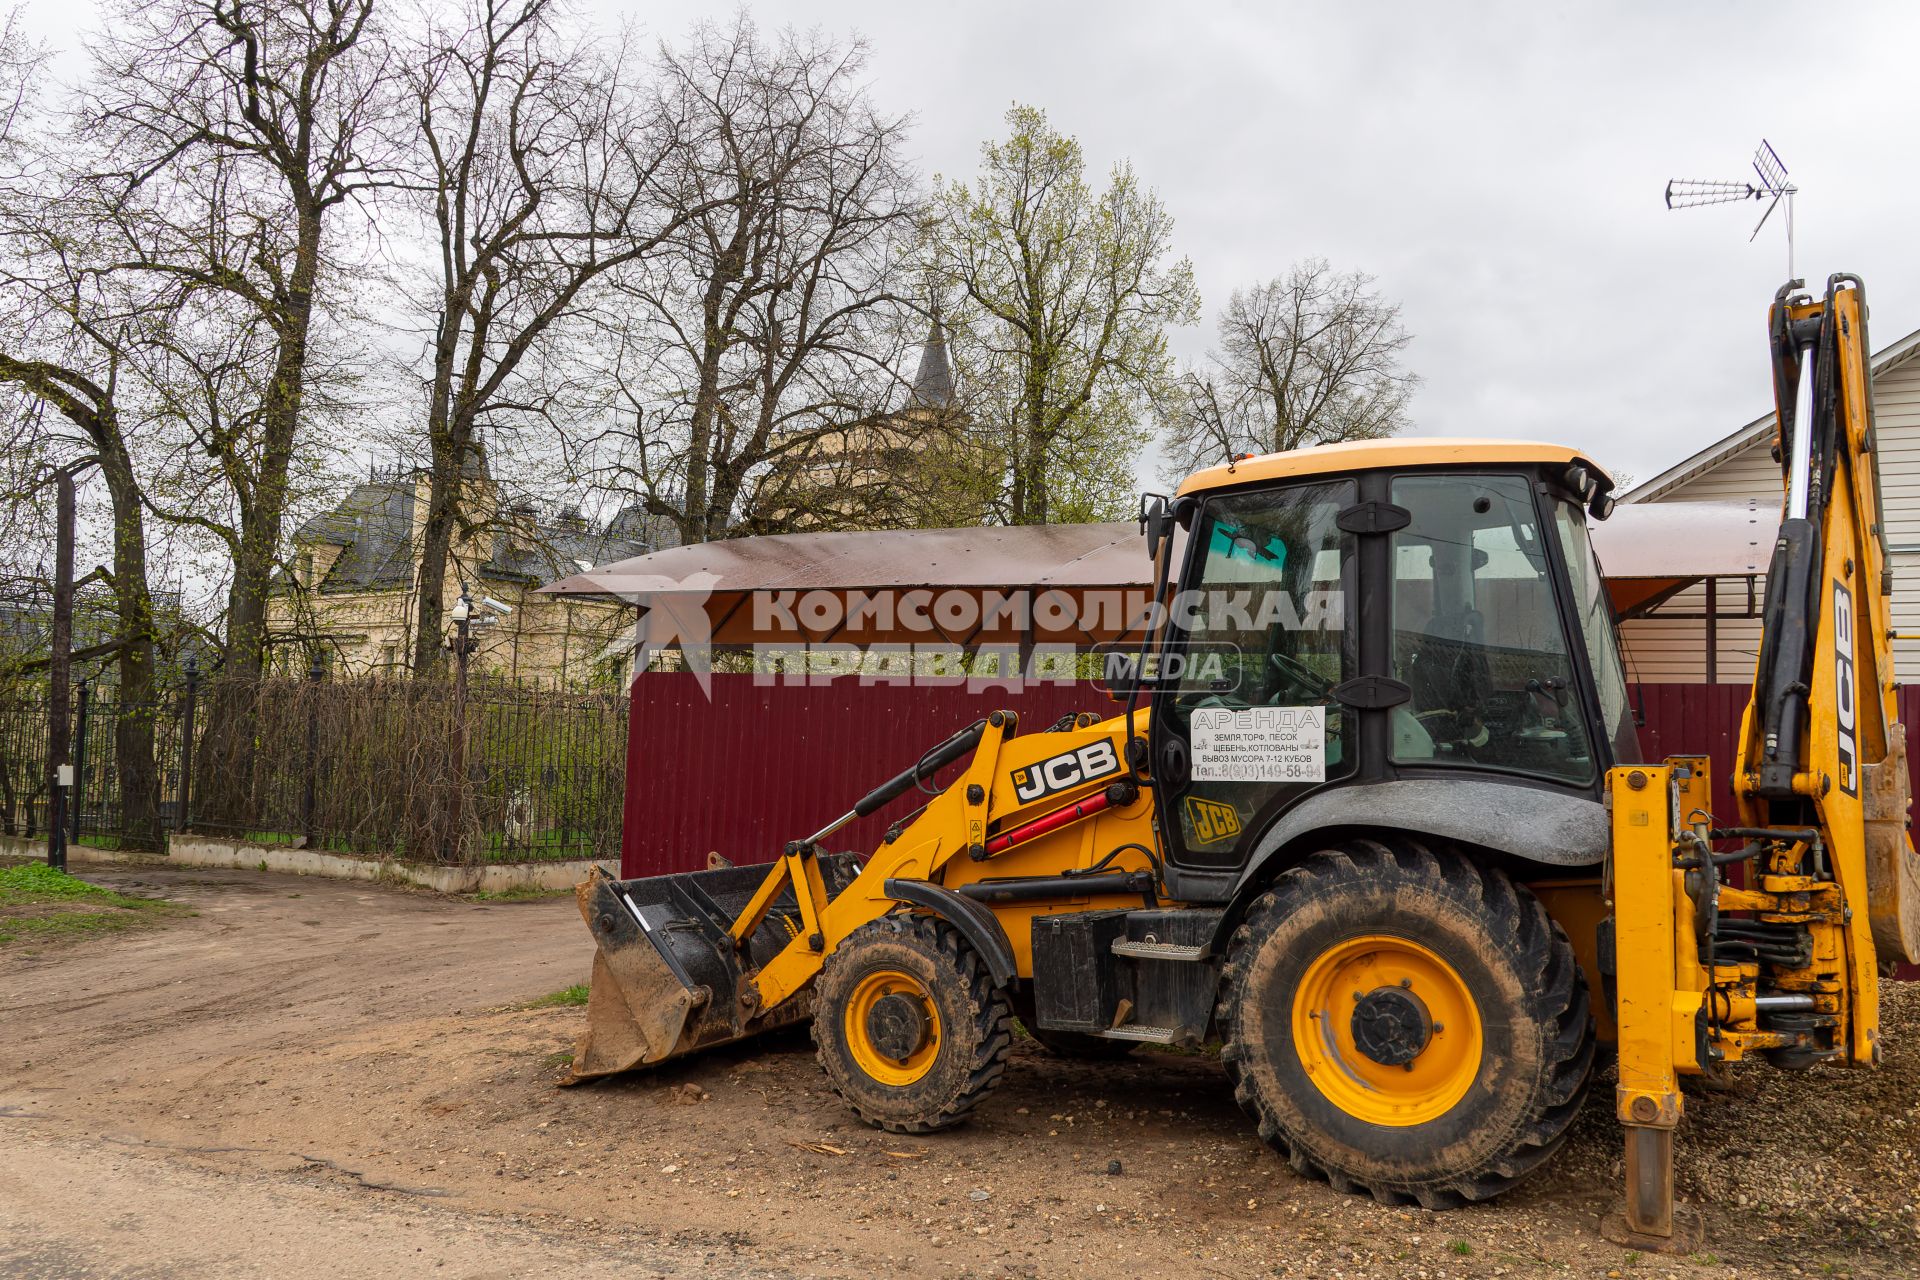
[375, 1045]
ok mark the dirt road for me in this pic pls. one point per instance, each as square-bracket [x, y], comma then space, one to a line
[338, 1078]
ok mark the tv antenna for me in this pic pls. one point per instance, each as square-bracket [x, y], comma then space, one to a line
[1690, 193]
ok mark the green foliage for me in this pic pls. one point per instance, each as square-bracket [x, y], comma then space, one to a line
[573, 996]
[1060, 297]
[36, 885]
[38, 882]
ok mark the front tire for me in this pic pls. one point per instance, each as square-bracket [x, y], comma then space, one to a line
[1403, 1022]
[909, 1026]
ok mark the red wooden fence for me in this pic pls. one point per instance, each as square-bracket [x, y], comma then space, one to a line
[759, 764]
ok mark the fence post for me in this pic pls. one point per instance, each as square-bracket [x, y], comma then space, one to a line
[79, 797]
[315, 674]
[183, 818]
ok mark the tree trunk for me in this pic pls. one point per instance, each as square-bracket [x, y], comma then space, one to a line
[697, 527]
[260, 520]
[223, 764]
[447, 442]
[133, 737]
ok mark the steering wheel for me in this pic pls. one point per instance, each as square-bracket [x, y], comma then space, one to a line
[1300, 673]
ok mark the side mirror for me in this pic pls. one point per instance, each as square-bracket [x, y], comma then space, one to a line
[1155, 521]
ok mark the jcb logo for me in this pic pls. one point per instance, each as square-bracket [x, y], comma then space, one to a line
[1843, 689]
[1212, 821]
[1068, 769]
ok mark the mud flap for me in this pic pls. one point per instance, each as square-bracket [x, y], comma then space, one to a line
[667, 979]
[1893, 869]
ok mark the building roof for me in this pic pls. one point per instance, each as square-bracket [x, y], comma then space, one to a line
[1753, 434]
[1366, 455]
[374, 528]
[933, 381]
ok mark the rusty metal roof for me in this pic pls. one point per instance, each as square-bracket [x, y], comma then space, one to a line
[1062, 555]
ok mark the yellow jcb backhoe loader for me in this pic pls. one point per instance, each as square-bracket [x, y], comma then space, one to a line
[1373, 819]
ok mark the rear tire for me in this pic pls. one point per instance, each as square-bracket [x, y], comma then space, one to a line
[909, 1026]
[1406, 1023]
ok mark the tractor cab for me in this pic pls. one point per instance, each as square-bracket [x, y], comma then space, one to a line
[1354, 617]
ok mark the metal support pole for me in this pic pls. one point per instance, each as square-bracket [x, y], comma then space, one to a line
[188, 698]
[315, 674]
[78, 800]
[59, 761]
[1713, 630]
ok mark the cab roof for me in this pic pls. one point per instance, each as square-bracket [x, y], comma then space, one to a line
[1374, 455]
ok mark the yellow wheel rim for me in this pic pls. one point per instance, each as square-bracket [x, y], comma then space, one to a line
[1405, 1005]
[892, 994]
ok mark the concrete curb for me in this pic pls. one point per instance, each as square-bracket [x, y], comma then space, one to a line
[240, 855]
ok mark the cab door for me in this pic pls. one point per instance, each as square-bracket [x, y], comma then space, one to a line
[1246, 721]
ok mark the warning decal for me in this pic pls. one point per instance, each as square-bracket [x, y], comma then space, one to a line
[1260, 744]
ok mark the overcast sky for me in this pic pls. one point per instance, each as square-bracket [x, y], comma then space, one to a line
[1499, 168]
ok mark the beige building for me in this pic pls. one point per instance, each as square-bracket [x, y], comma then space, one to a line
[354, 583]
[1710, 631]
[915, 466]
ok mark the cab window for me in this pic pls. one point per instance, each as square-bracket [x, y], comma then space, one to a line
[1263, 624]
[1477, 637]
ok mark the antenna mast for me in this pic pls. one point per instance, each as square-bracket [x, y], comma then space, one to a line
[1691, 193]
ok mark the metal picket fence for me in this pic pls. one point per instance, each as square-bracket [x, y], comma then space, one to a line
[414, 770]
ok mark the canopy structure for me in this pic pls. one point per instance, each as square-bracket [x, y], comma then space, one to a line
[1064, 583]
[1651, 551]
[1074, 584]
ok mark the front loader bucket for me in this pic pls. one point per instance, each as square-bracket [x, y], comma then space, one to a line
[667, 979]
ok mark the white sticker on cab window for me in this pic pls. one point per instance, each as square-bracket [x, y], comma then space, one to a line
[1259, 744]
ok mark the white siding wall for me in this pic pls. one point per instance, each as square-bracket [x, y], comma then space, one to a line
[1674, 649]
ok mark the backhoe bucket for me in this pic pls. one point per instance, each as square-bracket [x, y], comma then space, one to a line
[667, 979]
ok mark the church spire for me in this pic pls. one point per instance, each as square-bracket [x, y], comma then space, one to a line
[933, 380]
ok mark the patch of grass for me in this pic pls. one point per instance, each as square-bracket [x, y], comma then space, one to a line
[563, 1058]
[36, 882]
[1460, 1248]
[574, 995]
[1704, 1259]
[34, 898]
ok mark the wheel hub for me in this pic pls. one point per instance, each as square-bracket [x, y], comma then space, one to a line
[1391, 1026]
[897, 1026]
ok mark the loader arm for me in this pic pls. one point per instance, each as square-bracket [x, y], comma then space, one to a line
[1784, 966]
[692, 960]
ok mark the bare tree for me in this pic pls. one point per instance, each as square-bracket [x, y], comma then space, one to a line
[248, 125]
[541, 166]
[758, 352]
[76, 329]
[1311, 357]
